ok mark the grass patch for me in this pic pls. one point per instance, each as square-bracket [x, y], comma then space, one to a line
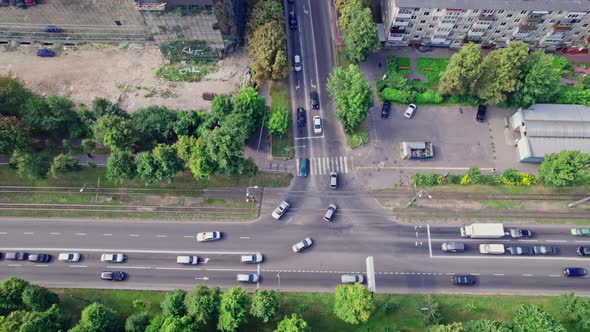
[227, 203]
[279, 94]
[189, 72]
[404, 62]
[361, 137]
[341, 56]
[438, 66]
[212, 216]
[53, 198]
[501, 204]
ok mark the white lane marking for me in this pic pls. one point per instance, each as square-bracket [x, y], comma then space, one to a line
[180, 268]
[107, 235]
[3, 233]
[78, 265]
[513, 257]
[189, 236]
[498, 274]
[245, 237]
[528, 240]
[134, 235]
[582, 241]
[54, 233]
[559, 241]
[14, 265]
[192, 250]
[81, 234]
[41, 265]
[28, 233]
[555, 275]
[308, 137]
[449, 273]
[160, 235]
[258, 272]
[475, 274]
[122, 266]
[429, 241]
[527, 275]
[345, 166]
[221, 269]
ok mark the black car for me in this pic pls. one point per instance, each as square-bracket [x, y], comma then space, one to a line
[315, 100]
[481, 113]
[386, 109]
[15, 256]
[574, 272]
[301, 117]
[113, 275]
[520, 250]
[293, 19]
[464, 280]
[583, 251]
[39, 258]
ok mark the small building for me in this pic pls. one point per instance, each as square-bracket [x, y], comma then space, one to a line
[543, 129]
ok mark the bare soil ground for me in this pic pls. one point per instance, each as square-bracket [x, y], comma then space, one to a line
[126, 75]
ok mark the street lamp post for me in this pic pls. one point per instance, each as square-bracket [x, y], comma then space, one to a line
[418, 195]
[279, 281]
[96, 189]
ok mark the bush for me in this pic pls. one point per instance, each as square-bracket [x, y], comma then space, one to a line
[389, 306]
[462, 100]
[454, 178]
[428, 97]
[425, 179]
[511, 177]
[397, 96]
[473, 176]
[490, 179]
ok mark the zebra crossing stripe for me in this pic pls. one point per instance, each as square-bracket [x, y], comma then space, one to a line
[345, 166]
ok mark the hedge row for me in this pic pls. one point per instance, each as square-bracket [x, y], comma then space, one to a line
[509, 177]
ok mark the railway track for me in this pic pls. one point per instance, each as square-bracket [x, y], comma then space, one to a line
[494, 213]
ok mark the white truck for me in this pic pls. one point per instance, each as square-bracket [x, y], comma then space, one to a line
[483, 231]
[493, 249]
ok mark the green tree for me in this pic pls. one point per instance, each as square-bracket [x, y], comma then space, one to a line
[116, 132]
[101, 107]
[64, 164]
[120, 167]
[67, 145]
[430, 311]
[341, 4]
[268, 48]
[233, 309]
[39, 298]
[486, 326]
[530, 318]
[173, 303]
[160, 164]
[48, 321]
[264, 305]
[33, 166]
[359, 32]
[156, 323]
[225, 148]
[11, 294]
[462, 71]
[575, 310]
[353, 303]
[565, 168]
[178, 324]
[201, 304]
[278, 121]
[502, 72]
[156, 125]
[137, 322]
[50, 116]
[200, 163]
[14, 135]
[454, 327]
[542, 78]
[293, 323]
[15, 320]
[98, 318]
[263, 12]
[224, 12]
[222, 106]
[88, 145]
[185, 146]
[13, 94]
[352, 94]
[249, 108]
[187, 123]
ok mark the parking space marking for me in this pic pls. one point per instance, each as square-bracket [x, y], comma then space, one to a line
[345, 166]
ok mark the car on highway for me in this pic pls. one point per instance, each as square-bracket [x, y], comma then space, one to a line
[580, 231]
[301, 118]
[45, 53]
[464, 280]
[53, 29]
[545, 250]
[305, 243]
[385, 109]
[333, 180]
[574, 272]
[520, 250]
[187, 260]
[317, 125]
[480, 116]
[293, 19]
[329, 215]
[208, 236]
[410, 111]
[583, 251]
[113, 258]
[315, 100]
[352, 279]
[303, 166]
[15, 256]
[113, 275]
[281, 210]
[69, 257]
[453, 247]
[251, 258]
[297, 62]
[40, 258]
[516, 233]
[247, 277]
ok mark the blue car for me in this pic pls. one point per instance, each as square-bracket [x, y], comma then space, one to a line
[303, 166]
[44, 53]
[53, 29]
[293, 20]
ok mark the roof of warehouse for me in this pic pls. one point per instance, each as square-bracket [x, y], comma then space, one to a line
[533, 5]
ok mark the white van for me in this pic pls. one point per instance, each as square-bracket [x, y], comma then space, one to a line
[190, 260]
[297, 63]
[493, 249]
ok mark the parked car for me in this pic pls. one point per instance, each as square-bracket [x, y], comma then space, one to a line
[251, 259]
[574, 272]
[303, 167]
[480, 116]
[545, 250]
[53, 29]
[317, 125]
[583, 251]
[520, 233]
[315, 100]
[39, 258]
[385, 109]
[4, 3]
[352, 279]
[69, 257]
[333, 180]
[281, 210]
[293, 19]
[424, 49]
[329, 215]
[301, 118]
[249, 278]
[463, 280]
[453, 247]
[113, 258]
[113, 275]
[208, 236]
[580, 231]
[297, 63]
[305, 243]
[410, 111]
[45, 53]
[15, 256]
[187, 260]
[520, 250]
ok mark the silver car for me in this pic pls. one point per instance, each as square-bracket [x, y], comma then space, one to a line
[113, 258]
[410, 111]
[251, 259]
[69, 257]
[453, 247]
[299, 246]
[281, 210]
[208, 236]
[249, 278]
[352, 279]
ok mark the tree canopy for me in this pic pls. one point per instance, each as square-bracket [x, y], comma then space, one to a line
[462, 71]
[293, 323]
[97, 317]
[120, 167]
[173, 303]
[278, 122]
[264, 305]
[565, 168]
[156, 125]
[268, 49]
[530, 318]
[202, 303]
[353, 303]
[233, 309]
[359, 32]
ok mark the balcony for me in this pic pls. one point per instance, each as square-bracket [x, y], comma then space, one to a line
[534, 19]
[482, 24]
[396, 29]
[562, 27]
[475, 33]
[403, 15]
[486, 17]
[522, 33]
[401, 23]
[396, 37]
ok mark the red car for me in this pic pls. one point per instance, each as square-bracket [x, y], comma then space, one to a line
[30, 2]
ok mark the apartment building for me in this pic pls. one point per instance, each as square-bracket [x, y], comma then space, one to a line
[547, 24]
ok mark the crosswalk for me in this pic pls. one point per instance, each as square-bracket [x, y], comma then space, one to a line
[325, 165]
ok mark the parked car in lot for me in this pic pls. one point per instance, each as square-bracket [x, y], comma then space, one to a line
[69, 257]
[453, 247]
[583, 251]
[480, 116]
[251, 259]
[520, 250]
[574, 272]
[385, 109]
[281, 210]
[352, 279]
[187, 260]
[410, 111]
[15, 256]
[297, 63]
[305, 243]
[301, 118]
[249, 278]
[333, 180]
[39, 258]
[317, 125]
[580, 231]
[45, 53]
[545, 250]
[464, 280]
[113, 258]
[208, 236]
[516, 233]
[329, 215]
[113, 275]
[303, 166]
[315, 100]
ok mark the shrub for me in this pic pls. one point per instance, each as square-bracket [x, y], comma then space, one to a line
[454, 178]
[389, 306]
[398, 96]
[490, 179]
[424, 179]
[473, 176]
[527, 179]
[511, 177]
[428, 97]
[392, 64]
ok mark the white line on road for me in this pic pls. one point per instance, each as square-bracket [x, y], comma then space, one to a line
[136, 251]
[189, 236]
[555, 275]
[28, 233]
[475, 274]
[14, 265]
[3, 233]
[245, 237]
[308, 137]
[582, 241]
[528, 240]
[41, 265]
[560, 241]
[129, 267]
[54, 233]
[498, 274]
[107, 235]
[527, 275]
[429, 242]
[248, 270]
[78, 265]
[160, 235]
[81, 234]
[513, 257]
[134, 235]
[449, 273]
[180, 268]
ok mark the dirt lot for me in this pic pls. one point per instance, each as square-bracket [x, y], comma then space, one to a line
[126, 75]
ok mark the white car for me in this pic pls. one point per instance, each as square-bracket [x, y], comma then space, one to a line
[208, 236]
[251, 259]
[317, 125]
[188, 260]
[410, 111]
[352, 279]
[299, 246]
[281, 210]
[297, 63]
[250, 278]
[69, 257]
[113, 258]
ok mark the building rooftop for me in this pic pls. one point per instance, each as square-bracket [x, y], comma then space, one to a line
[531, 5]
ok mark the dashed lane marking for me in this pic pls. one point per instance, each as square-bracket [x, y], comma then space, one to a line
[134, 235]
[160, 235]
[107, 235]
[81, 234]
[54, 233]
[78, 265]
